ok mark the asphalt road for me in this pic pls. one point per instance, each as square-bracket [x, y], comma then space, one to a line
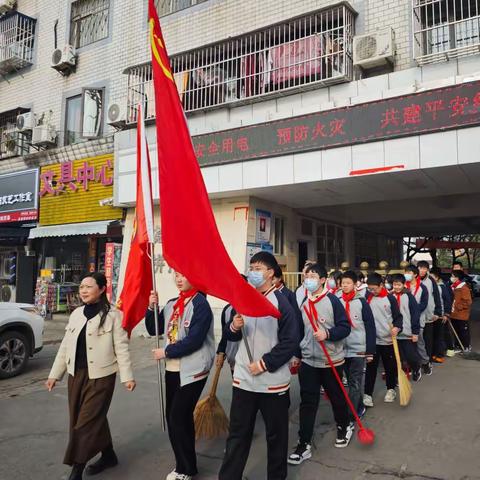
[437, 437]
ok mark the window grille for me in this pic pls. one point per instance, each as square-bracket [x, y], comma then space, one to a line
[166, 7]
[445, 29]
[89, 22]
[12, 142]
[17, 34]
[301, 53]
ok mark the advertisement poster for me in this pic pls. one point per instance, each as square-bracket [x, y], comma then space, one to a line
[113, 253]
[263, 226]
[253, 248]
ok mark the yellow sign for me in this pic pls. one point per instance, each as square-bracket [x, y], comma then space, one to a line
[71, 192]
[45, 273]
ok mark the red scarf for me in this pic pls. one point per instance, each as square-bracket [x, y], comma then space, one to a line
[418, 281]
[456, 284]
[333, 290]
[383, 293]
[398, 296]
[177, 313]
[310, 310]
[347, 298]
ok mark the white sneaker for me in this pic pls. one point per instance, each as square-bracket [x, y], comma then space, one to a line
[172, 475]
[368, 400]
[182, 476]
[302, 452]
[390, 396]
[450, 353]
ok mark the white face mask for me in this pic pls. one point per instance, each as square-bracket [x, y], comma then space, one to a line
[331, 283]
[408, 277]
[311, 284]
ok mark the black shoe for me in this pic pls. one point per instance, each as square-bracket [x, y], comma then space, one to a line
[344, 434]
[417, 375]
[302, 452]
[107, 460]
[427, 369]
[77, 471]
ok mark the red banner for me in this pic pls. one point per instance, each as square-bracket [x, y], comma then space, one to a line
[19, 216]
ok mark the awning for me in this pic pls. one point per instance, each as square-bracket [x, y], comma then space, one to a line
[67, 230]
[17, 232]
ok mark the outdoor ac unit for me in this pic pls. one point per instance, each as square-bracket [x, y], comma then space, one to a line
[44, 136]
[64, 60]
[7, 293]
[117, 115]
[25, 122]
[374, 49]
[6, 6]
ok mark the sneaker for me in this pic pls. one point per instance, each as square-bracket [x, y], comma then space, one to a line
[172, 475]
[362, 411]
[417, 375]
[345, 381]
[450, 353]
[368, 400]
[344, 435]
[390, 396]
[183, 476]
[436, 359]
[427, 368]
[302, 452]
[457, 350]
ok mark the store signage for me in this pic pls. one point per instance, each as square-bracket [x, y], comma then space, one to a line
[19, 196]
[430, 111]
[75, 191]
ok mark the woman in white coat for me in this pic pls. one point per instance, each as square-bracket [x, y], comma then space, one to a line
[93, 350]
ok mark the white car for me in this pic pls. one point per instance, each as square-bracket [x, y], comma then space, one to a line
[21, 336]
[475, 284]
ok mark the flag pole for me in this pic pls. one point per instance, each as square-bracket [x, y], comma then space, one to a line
[157, 336]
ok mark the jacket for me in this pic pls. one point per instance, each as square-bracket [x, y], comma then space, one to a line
[195, 345]
[386, 314]
[410, 314]
[333, 318]
[230, 349]
[421, 296]
[362, 338]
[462, 302]
[434, 305]
[447, 298]
[272, 341]
[107, 347]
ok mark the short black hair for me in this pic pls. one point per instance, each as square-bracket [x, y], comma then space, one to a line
[436, 271]
[266, 259]
[457, 262]
[398, 277]
[351, 275]
[361, 276]
[336, 274]
[317, 268]
[374, 278]
[412, 268]
[277, 271]
[423, 263]
[458, 274]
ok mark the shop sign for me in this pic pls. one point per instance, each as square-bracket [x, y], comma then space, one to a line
[429, 111]
[77, 191]
[19, 196]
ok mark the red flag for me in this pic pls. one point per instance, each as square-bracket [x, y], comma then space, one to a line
[191, 242]
[133, 300]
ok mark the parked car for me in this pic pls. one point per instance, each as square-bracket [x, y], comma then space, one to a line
[475, 284]
[21, 337]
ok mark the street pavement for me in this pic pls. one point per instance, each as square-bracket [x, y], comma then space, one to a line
[437, 437]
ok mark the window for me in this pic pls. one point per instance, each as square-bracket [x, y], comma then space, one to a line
[300, 53]
[278, 236]
[89, 22]
[84, 116]
[166, 7]
[12, 142]
[445, 29]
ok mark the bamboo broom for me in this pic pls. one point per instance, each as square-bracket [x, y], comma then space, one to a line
[209, 416]
[404, 385]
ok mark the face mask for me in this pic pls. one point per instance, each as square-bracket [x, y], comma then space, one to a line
[255, 278]
[331, 283]
[408, 277]
[453, 279]
[311, 284]
[388, 286]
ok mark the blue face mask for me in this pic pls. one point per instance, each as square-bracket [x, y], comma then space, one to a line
[311, 284]
[255, 278]
[331, 283]
[388, 286]
[408, 277]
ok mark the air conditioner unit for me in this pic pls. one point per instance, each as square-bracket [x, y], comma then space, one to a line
[6, 6]
[116, 115]
[7, 293]
[374, 49]
[44, 136]
[64, 60]
[25, 122]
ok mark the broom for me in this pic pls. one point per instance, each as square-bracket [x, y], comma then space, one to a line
[404, 385]
[365, 435]
[209, 416]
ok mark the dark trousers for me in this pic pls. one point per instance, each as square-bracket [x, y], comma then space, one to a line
[180, 404]
[439, 345]
[243, 413]
[385, 352]
[409, 353]
[428, 338]
[354, 369]
[311, 379]
[462, 327]
[448, 336]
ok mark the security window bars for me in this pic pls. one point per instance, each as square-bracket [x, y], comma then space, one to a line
[17, 35]
[12, 142]
[89, 22]
[166, 7]
[445, 29]
[301, 53]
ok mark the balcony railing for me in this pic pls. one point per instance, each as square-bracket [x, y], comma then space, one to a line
[12, 142]
[166, 7]
[302, 53]
[17, 33]
[445, 29]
